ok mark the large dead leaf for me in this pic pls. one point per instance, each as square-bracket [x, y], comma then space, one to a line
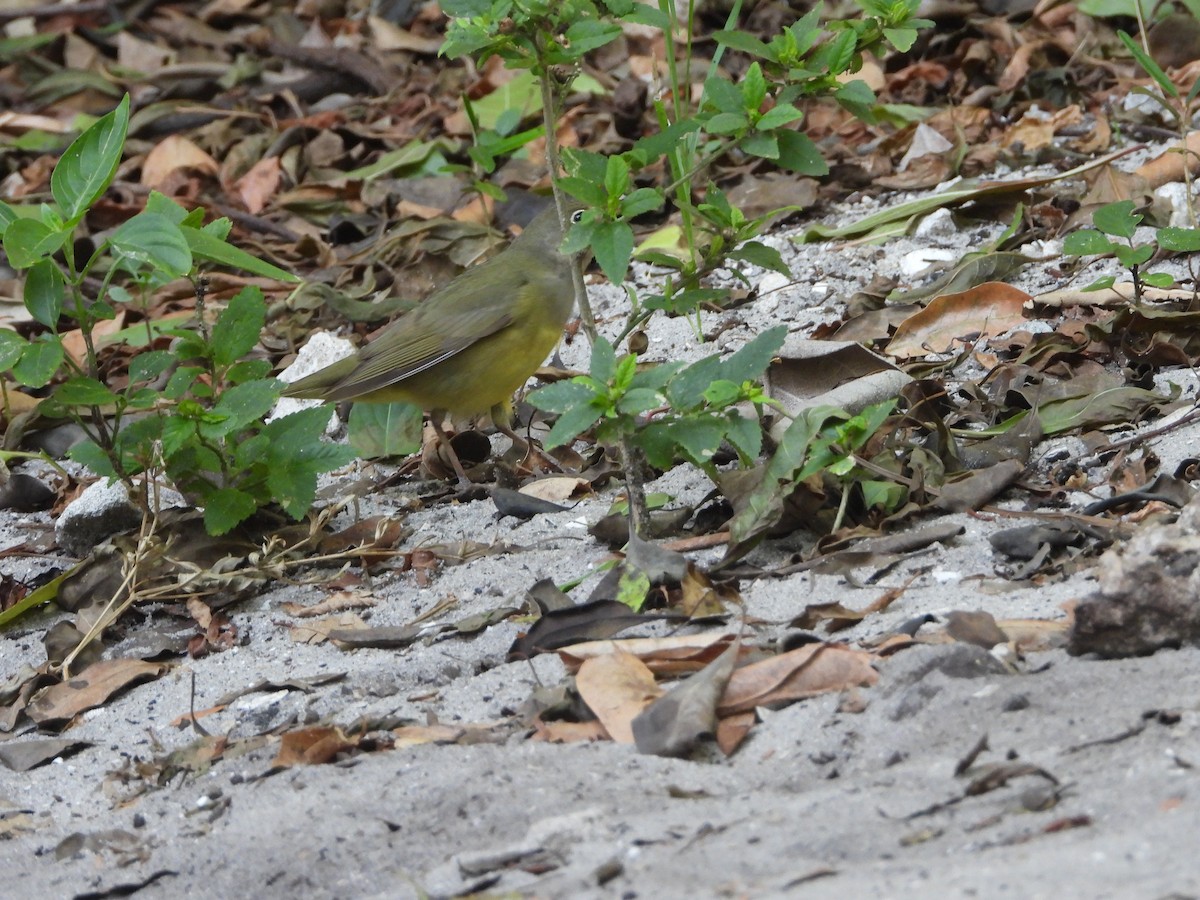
[805, 672]
[92, 687]
[617, 687]
[990, 308]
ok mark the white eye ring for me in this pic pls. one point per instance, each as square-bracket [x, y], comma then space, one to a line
[577, 216]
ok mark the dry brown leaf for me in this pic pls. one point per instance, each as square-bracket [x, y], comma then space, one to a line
[258, 186]
[311, 746]
[342, 600]
[318, 630]
[674, 655]
[617, 687]
[557, 488]
[414, 735]
[92, 687]
[989, 308]
[805, 672]
[74, 344]
[732, 730]
[172, 154]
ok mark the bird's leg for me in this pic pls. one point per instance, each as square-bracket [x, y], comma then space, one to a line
[444, 449]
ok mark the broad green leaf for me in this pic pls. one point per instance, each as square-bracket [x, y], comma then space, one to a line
[777, 117]
[382, 430]
[1180, 240]
[12, 345]
[240, 405]
[604, 360]
[39, 363]
[84, 392]
[88, 166]
[798, 153]
[746, 43]
[612, 243]
[148, 366]
[89, 453]
[45, 292]
[750, 361]
[561, 396]
[154, 239]
[26, 241]
[1117, 219]
[7, 216]
[571, 423]
[1087, 242]
[588, 34]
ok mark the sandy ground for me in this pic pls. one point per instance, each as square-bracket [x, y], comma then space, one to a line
[836, 796]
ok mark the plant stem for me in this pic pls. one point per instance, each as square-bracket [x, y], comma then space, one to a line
[635, 487]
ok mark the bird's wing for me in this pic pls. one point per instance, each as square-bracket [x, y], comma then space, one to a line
[437, 329]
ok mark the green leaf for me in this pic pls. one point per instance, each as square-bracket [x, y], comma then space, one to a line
[639, 400]
[724, 95]
[1087, 242]
[561, 396]
[603, 365]
[39, 363]
[727, 123]
[26, 241]
[761, 143]
[783, 114]
[616, 177]
[1117, 219]
[745, 434]
[381, 430]
[612, 243]
[239, 326]
[88, 166]
[84, 392]
[89, 453]
[1158, 279]
[154, 239]
[8, 215]
[1101, 284]
[571, 423]
[798, 153]
[148, 366]
[686, 389]
[761, 255]
[45, 292]
[1152, 68]
[12, 345]
[754, 89]
[1133, 256]
[225, 508]
[588, 34]
[296, 455]
[640, 201]
[205, 246]
[240, 405]
[746, 43]
[1180, 240]
[165, 206]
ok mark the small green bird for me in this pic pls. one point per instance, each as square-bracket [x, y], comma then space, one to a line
[468, 347]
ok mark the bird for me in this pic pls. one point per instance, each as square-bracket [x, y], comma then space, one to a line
[470, 345]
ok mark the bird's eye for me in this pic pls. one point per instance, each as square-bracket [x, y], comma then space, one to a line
[577, 216]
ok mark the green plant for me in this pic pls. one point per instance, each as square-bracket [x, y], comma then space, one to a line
[1113, 234]
[192, 412]
[757, 117]
[667, 412]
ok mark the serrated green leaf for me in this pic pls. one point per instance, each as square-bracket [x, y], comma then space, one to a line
[225, 508]
[798, 153]
[777, 117]
[746, 43]
[561, 396]
[88, 453]
[239, 326]
[572, 423]
[240, 405]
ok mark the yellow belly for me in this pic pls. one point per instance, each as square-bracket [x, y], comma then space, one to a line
[483, 375]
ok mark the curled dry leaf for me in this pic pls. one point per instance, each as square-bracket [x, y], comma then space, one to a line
[674, 655]
[805, 672]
